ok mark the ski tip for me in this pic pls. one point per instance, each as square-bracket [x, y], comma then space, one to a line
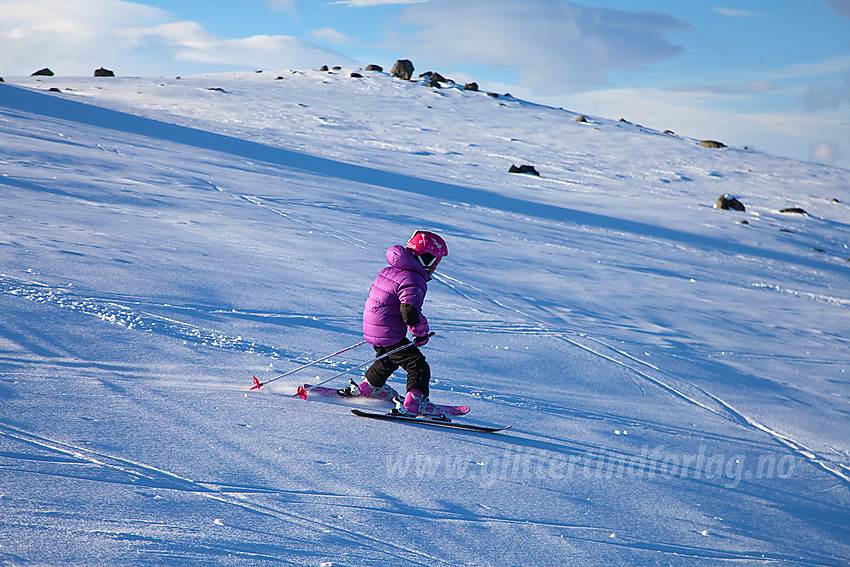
[257, 383]
[301, 393]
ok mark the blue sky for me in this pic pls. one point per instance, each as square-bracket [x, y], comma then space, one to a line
[771, 75]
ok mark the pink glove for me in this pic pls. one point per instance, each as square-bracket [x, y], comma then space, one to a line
[420, 332]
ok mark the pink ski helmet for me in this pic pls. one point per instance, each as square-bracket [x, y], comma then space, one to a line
[428, 248]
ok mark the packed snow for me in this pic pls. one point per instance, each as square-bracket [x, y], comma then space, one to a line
[675, 375]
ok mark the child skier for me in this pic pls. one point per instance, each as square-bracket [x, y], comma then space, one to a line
[394, 306]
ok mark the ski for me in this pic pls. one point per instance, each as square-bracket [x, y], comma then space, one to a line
[453, 411]
[326, 392]
[438, 422]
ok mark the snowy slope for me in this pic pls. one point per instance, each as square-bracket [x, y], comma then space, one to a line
[676, 380]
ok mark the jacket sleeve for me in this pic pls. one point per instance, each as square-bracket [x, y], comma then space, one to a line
[410, 315]
[412, 290]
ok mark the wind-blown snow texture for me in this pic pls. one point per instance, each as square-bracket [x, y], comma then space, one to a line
[677, 381]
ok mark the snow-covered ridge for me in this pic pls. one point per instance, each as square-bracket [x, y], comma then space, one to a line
[676, 379]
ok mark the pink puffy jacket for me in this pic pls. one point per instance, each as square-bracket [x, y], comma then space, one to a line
[403, 281]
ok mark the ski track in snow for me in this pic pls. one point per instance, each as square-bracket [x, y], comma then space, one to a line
[118, 314]
[115, 313]
[631, 363]
[126, 312]
[141, 475]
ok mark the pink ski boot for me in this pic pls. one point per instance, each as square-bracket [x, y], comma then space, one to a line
[385, 392]
[416, 403]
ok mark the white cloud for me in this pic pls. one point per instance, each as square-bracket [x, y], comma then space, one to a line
[824, 152]
[190, 42]
[752, 87]
[735, 13]
[332, 35]
[288, 5]
[704, 116]
[554, 46]
[824, 97]
[74, 38]
[70, 37]
[832, 66]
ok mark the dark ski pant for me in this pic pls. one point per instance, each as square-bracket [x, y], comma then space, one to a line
[410, 358]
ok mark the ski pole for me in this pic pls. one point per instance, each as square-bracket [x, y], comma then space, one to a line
[302, 391]
[257, 383]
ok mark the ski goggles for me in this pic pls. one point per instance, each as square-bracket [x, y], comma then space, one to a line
[428, 261]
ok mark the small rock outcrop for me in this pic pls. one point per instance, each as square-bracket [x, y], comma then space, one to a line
[434, 79]
[403, 69]
[729, 203]
[712, 144]
[794, 211]
[471, 87]
[46, 72]
[377, 68]
[103, 73]
[524, 169]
